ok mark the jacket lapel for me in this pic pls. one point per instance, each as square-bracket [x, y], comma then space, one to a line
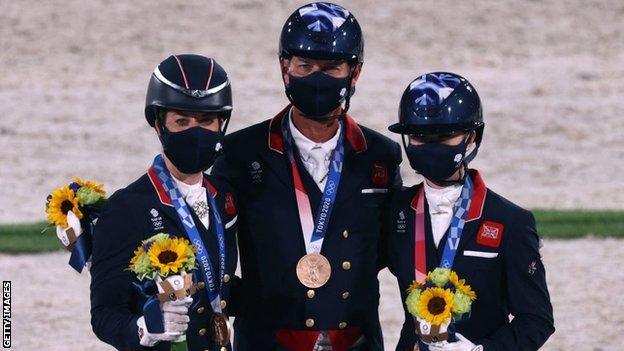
[475, 212]
[355, 145]
[274, 155]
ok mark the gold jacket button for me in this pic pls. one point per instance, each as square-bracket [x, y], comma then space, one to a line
[226, 278]
[201, 285]
[202, 331]
[345, 234]
[346, 265]
[200, 310]
[309, 322]
[311, 294]
[342, 325]
[223, 304]
[345, 295]
[223, 348]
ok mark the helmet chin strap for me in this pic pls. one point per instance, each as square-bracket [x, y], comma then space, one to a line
[348, 94]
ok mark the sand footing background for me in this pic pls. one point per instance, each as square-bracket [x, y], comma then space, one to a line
[549, 73]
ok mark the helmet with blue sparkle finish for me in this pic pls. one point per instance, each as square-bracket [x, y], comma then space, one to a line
[322, 31]
[439, 103]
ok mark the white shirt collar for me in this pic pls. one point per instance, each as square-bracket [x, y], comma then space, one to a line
[305, 145]
[442, 199]
[185, 189]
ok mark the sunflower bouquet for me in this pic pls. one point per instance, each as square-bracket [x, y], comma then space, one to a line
[73, 209]
[441, 299]
[162, 264]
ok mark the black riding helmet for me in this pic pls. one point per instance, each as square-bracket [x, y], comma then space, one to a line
[439, 103]
[322, 31]
[189, 83]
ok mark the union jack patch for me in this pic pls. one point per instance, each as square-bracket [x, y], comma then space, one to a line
[490, 234]
[230, 208]
[379, 175]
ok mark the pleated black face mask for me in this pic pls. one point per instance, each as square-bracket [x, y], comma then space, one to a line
[435, 161]
[317, 94]
[193, 150]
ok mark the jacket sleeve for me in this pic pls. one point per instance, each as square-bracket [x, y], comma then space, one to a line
[112, 292]
[397, 181]
[527, 293]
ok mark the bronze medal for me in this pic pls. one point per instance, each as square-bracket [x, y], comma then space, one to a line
[220, 329]
[313, 270]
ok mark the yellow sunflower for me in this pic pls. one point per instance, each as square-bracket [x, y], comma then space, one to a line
[414, 286]
[137, 254]
[62, 200]
[460, 284]
[169, 255]
[434, 305]
[97, 187]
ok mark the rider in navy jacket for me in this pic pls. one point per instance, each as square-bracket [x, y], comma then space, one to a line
[498, 255]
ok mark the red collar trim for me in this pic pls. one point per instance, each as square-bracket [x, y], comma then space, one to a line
[478, 196]
[162, 193]
[353, 133]
[160, 190]
[211, 189]
[414, 203]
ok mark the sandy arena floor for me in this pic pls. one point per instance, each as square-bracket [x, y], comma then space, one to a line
[549, 74]
[43, 316]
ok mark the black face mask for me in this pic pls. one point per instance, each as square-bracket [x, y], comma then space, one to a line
[193, 150]
[317, 94]
[435, 161]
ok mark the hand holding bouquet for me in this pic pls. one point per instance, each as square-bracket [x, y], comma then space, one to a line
[162, 263]
[73, 209]
[441, 299]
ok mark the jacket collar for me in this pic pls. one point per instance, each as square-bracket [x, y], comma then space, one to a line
[353, 133]
[478, 196]
[164, 197]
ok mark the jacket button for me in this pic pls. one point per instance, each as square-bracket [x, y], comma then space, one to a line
[223, 304]
[346, 265]
[223, 348]
[345, 295]
[309, 322]
[345, 234]
[311, 294]
[201, 285]
[342, 325]
[202, 331]
[226, 278]
[200, 310]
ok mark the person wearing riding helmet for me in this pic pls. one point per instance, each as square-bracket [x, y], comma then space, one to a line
[188, 103]
[453, 221]
[310, 183]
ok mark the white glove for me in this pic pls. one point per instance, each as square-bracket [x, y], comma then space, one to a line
[74, 224]
[462, 344]
[175, 318]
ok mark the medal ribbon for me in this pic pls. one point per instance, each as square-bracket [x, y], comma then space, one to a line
[455, 230]
[314, 230]
[213, 282]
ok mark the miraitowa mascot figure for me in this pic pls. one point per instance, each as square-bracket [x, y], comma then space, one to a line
[453, 221]
[188, 103]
